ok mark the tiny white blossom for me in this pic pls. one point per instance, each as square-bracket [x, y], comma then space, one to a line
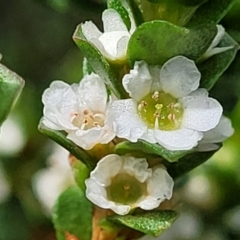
[112, 43]
[122, 183]
[166, 107]
[213, 49]
[80, 110]
[50, 182]
[218, 134]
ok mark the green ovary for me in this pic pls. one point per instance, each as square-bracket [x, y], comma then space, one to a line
[160, 110]
[125, 189]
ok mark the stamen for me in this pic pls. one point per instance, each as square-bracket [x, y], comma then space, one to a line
[172, 117]
[156, 124]
[74, 115]
[96, 124]
[177, 105]
[155, 95]
[142, 105]
[85, 112]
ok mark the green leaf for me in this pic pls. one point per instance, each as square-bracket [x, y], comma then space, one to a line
[73, 214]
[98, 62]
[118, 6]
[10, 87]
[189, 162]
[188, 3]
[81, 172]
[137, 15]
[211, 12]
[212, 68]
[157, 41]
[60, 138]
[152, 223]
[87, 69]
[192, 3]
[146, 147]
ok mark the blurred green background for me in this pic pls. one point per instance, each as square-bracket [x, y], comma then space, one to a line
[36, 42]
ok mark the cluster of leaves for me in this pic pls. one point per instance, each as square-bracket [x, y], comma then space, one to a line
[184, 28]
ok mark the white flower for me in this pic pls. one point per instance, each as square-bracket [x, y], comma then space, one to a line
[218, 134]
[80, 110]
[113, 42]
[166, 106]
[122, 183]
[50, 182]
[213, 49]
[12, 137]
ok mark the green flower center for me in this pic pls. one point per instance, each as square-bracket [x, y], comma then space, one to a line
[161, 111]
[125, 189]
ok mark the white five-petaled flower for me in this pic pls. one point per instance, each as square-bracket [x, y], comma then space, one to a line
[166, 106]
[122, 183]
[213, 49]
[112, 43]
[218, 134]
[80, 110]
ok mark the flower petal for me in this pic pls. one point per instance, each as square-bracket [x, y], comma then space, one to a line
[99, 45]
[112, 21]
[125, 120]
[140, 77]
[155, 73]
[107, 167]
[90, 30]
[60, 103]
[121, 209]
[138, 168]
[159, 186]
[218, 37]
[110, 41]
[181, 139]
[57, 93]
[87, 139]
[93, 93]
[122, 47]
[97, 194]
[220, 133]
[149, 136]
[179, 76]
[55, 120]
[212, 50]
[201, 113]
[200, 92]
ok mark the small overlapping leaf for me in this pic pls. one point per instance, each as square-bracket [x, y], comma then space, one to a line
[118, 6]
[73, 214]
[137, 14]
[86, 67]
[148, 148]
[10, 87]
[152, 223]
[211, 12]
[80, 171]
[98, 62]
[60, 138]
[212, 68]
[189, 162]
[157, 41]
